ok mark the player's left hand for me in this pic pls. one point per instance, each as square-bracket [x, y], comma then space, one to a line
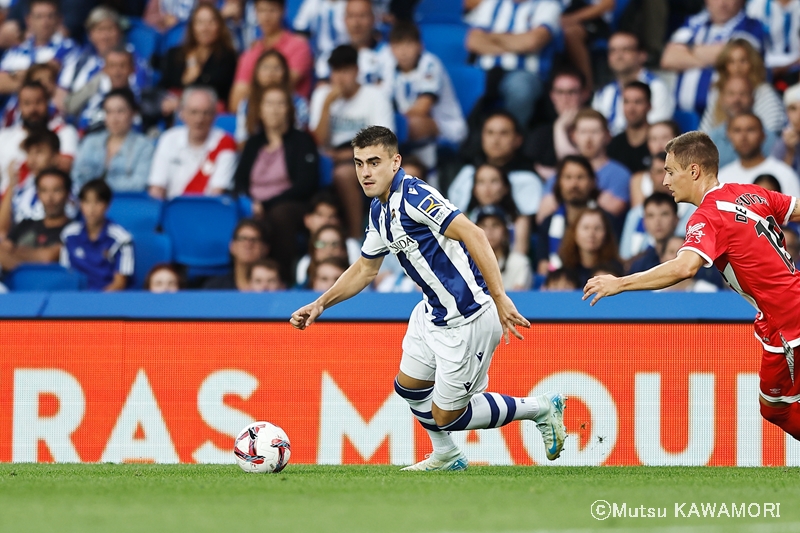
[510, 317]
[306, 315]
[600, 287]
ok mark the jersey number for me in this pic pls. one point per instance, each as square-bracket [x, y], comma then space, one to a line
[774, 235]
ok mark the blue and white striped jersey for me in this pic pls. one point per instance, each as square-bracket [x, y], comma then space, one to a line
[83, 65]
[508, 16]
[411, 225]
[694, 84]
[22, 56]
[429, 77]
[100, 259]
[783, 24]
[324, 20]
[608, 101]
[180, 9]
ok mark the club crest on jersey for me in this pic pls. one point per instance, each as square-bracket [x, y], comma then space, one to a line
[695, 233]
[403, 244]
[433, 208]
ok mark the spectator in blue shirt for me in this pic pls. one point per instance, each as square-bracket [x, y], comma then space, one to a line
[95, 246]
[118, 154]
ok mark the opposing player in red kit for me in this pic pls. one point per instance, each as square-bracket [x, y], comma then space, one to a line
[737, 228]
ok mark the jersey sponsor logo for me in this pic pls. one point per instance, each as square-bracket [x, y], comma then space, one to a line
[434, 209]
[403, 244]
[695, 233]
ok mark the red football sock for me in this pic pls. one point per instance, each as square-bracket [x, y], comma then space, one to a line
[786, 418]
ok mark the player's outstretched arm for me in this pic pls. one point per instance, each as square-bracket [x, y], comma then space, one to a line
[354, 280]
[683, 267]
[473, 237]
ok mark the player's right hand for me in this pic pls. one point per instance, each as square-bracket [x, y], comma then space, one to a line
[306, 315]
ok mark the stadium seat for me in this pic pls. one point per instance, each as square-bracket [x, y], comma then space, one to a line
[439, 11]
[687, 120]
[143, 38]
[226, 122]
[446, 41]
[136, 212]
[149, 249]
[325, 171]
[174, 37]
[200, 228]
[50, 277]
[469, 84]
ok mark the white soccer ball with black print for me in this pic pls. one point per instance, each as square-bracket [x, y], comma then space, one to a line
[262, 448]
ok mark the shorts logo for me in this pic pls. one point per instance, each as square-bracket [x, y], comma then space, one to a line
[479, 355]
[433, 208]
[695, 233]
[468, 385]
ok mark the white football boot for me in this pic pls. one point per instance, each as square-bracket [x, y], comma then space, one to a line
[550, 422]
[455, 461]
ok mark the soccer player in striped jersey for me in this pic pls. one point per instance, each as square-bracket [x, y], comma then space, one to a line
[736, 228]
[453, 332]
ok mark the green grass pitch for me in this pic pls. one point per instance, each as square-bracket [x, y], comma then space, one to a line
[303, 498]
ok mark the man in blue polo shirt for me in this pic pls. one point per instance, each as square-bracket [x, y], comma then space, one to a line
[95, 246]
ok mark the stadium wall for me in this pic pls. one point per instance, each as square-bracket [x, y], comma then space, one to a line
[654, 379]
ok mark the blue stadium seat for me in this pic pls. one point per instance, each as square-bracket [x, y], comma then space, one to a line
[325, 171]
[50, 277]
[200, 228]
[687, 120]
[446, 41]
[174, 37]
[149, 249]
[226, 122]
[439, 11]
[136, 212]
[469, 84]
[143, 38]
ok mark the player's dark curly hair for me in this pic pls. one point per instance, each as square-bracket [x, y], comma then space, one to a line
[376, 136]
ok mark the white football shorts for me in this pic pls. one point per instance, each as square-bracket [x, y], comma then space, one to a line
[456, 359]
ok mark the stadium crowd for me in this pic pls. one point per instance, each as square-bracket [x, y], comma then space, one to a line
[544, 121]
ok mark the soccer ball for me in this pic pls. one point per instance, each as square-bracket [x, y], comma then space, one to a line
[262, 448]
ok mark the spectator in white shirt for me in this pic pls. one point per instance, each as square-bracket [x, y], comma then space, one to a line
[196, 158]
[747, 134]
[626, 59]
[339, 110]
[512, 38]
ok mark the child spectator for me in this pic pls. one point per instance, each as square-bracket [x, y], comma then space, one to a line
[248, 245]
[515, 267]
[163, 278]
[589, 243]
[768, 182]
[339, 110]
[22, 201]
[421, 90]
[97, 247]
[493, 188]
[325, 273]
[270, 69]
[265, 276]
[560, 280]
[38, 241]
